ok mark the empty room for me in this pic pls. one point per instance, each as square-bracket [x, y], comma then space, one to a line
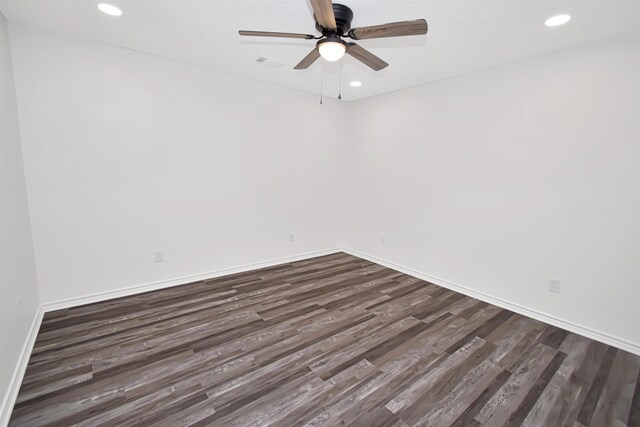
[372, 213]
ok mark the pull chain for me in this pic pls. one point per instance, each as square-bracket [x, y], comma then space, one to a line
[321, 78]
[340, 87]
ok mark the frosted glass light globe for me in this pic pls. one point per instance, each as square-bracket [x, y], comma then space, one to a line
[332, 51]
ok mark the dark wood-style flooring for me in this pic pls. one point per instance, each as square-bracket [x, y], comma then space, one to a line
[332, 341]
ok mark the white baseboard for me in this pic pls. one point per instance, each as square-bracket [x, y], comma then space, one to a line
[21, 367]
[153, 286]
[594, 334]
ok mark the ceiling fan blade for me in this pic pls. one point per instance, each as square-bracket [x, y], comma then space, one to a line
[323, 10]
[393, 29]
[308, 60]
[274, 34]
[366, 57]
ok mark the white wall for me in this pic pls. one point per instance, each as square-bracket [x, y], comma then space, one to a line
[495, 181]
[498, 180]
[17, 264]
[128, 153]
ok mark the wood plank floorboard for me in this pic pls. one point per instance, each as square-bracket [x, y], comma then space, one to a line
[333, 340]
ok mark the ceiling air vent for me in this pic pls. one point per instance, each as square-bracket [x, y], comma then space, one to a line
[268, 62]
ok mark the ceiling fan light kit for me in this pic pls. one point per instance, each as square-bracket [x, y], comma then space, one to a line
[332, 48]
[333, 20]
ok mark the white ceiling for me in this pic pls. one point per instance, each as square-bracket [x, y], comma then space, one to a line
[464, 36]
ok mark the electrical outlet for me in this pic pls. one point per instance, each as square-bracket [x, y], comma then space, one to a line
[554, 285]
[158, 256]
[383, 240]
[292, 237]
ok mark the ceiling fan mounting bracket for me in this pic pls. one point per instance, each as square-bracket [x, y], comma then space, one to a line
[343, 16]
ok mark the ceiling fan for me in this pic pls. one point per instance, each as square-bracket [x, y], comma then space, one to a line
[333, 20]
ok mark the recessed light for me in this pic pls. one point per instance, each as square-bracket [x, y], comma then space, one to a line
[355, 83]
[554, 21]
[109, 9]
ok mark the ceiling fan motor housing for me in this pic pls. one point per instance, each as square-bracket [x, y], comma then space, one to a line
[343, 15]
